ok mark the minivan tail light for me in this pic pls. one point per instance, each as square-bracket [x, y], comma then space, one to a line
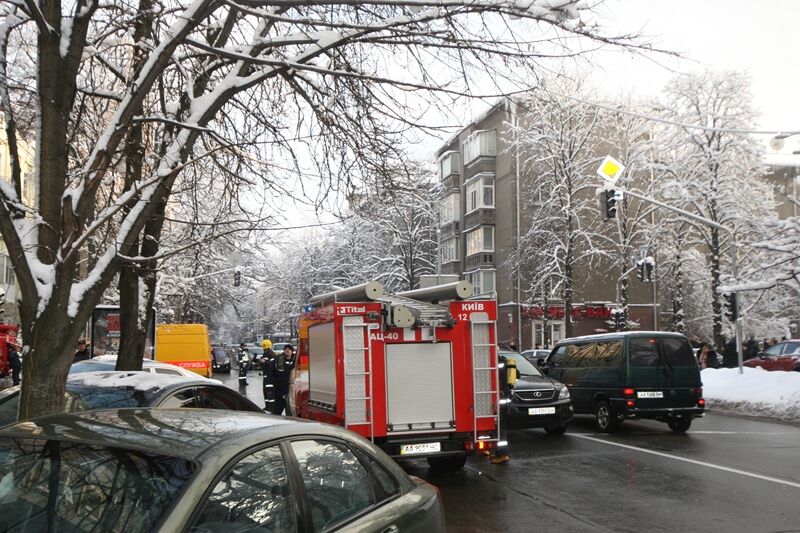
[699, 392]
[628, 392]
[631, 403]
[701, 402]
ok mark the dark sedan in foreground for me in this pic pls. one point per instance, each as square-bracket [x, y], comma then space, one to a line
[104, 390]
[168, 470]
[536, 401]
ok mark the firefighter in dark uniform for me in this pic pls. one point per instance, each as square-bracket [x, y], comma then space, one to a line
[14, 362]
[268, 387]
[506, 383]
[244, 362]
[278, 373]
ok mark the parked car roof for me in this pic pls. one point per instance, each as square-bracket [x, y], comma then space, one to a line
[108, 362]
[170, 431]
[100, 390]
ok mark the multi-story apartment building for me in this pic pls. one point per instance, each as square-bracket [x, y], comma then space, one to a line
[480, 224]
[7, 279]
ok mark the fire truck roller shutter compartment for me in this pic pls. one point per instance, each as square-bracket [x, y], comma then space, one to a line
[482, 358]
[322, 364]
[419, 386]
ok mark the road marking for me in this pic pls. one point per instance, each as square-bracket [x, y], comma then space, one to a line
[693, 461]
[742, 433]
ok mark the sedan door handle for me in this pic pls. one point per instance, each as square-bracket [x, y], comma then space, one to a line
[391, 529]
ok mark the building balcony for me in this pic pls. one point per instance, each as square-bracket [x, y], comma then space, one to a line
[480, 217]
[479, 260]
[450, 229]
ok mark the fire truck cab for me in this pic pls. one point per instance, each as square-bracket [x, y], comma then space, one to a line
[415, 376]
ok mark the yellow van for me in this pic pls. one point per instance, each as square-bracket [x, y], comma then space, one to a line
[184, 345]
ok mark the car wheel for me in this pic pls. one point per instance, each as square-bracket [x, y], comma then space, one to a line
[680, 424]
[447, 464]
[607, 420]
[556, 430]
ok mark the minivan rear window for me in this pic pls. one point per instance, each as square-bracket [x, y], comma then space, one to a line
[678, 352]
[643, 351]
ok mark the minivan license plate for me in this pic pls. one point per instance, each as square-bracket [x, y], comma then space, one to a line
[650, 394]
[541, 410]
[423, 447]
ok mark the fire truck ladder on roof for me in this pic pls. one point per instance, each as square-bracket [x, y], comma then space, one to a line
[357, 373]
[486, 386]
[426, 313]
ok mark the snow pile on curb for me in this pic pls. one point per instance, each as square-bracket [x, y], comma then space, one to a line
[757, 392]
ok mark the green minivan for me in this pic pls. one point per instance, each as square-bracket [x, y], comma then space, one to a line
[614, 376]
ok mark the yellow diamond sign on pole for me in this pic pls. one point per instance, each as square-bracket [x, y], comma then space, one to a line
[610, 169]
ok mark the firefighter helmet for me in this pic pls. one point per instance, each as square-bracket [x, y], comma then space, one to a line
[266, 344]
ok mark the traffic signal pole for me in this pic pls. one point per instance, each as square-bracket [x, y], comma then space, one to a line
[734, 260]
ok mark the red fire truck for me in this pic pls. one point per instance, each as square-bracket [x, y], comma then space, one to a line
[417, 377]
[8, 334]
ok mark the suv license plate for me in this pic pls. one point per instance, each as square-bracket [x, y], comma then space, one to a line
[650, 394]
[542, 411]
[425, 447]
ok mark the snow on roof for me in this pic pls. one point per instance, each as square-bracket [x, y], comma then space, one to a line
[756, 392]
[143, 381]
[782, 160]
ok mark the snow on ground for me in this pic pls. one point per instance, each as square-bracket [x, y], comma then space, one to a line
[756, 392]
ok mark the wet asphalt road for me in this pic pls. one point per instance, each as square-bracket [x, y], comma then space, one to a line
[727, 474]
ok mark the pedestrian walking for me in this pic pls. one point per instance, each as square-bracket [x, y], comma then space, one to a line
[82, 353]
[278, 374]
[14, 362]
[751, 348]
[267, 387]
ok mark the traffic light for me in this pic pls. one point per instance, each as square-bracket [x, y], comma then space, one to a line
[610, 203]
[645, 269]
[237, 277]
[640, 269]
[619, 318]
[731, 306]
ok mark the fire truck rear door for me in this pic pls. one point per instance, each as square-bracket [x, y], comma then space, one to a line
[419, 387]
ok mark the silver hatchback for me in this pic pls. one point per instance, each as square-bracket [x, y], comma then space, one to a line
[204, 471]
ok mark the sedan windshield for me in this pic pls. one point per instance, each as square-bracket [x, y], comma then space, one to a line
[49, 485]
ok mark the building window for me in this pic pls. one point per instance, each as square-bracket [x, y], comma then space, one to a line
[482, 281]
[448, 164]
[450, 250]
[480, 192]
[481, 143]
[480, 240]
[451, 208]
[6, 270]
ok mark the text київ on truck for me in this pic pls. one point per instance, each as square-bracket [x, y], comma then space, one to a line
[417, 378]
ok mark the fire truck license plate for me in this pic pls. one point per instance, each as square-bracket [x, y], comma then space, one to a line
[423, 447]
[542, 411]
[650, 394]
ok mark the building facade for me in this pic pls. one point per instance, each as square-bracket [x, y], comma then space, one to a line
[8, 281]
[480, 222]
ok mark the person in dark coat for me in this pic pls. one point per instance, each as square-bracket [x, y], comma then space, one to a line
[15, 363]
[730, 359]
[82, 353]
[751, 348]
[278, 373]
